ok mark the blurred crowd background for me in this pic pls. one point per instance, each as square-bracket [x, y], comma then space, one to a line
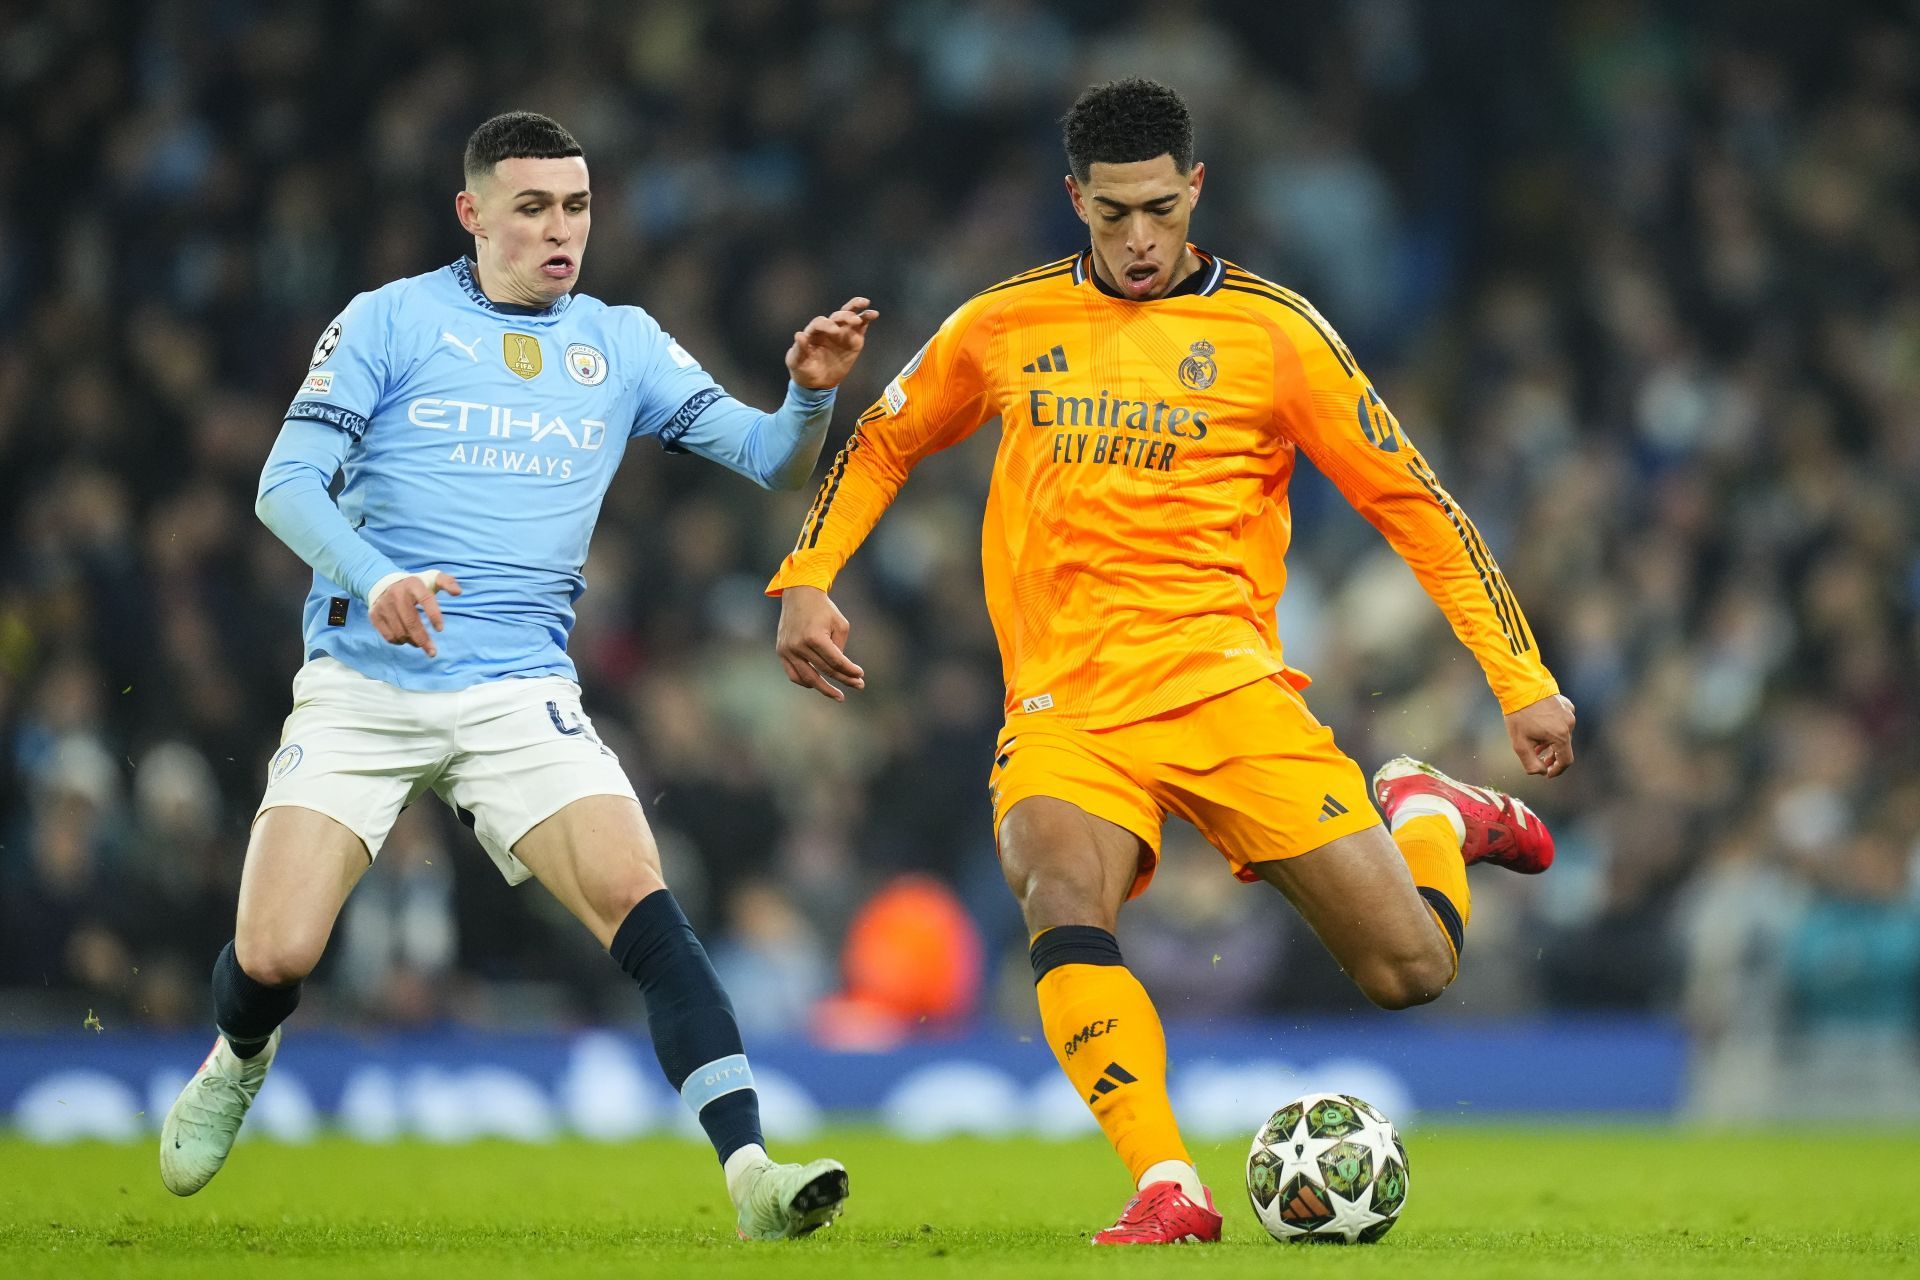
[1642, 279]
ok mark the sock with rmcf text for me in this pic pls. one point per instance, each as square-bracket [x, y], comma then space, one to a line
[694, 1032]
[1106, 1036]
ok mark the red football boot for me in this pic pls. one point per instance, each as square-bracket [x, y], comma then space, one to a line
[1161, 1213]
[1498, 828]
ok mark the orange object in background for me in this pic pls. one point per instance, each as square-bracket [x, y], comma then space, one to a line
[913, 961]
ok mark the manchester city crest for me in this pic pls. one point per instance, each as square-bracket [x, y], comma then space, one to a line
[1198, 370]
[285, 761]
[585, 365]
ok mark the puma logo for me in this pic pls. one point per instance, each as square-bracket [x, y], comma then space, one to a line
[471, 348]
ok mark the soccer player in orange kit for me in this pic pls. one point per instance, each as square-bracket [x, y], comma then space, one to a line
[1151, 398]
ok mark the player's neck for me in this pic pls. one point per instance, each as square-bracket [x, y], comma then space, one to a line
[1188, 264]
[497, 293]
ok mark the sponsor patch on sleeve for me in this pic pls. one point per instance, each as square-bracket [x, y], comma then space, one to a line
[318, 384]
[1042, 703]
[680, 356]
[895, 396]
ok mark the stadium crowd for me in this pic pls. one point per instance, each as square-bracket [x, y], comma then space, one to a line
[1643, 280]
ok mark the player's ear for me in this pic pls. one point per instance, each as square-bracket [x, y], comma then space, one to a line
[1198, 176]
[1079, 200]
[467, 208]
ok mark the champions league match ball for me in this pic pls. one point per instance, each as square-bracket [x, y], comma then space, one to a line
[1327, 1167]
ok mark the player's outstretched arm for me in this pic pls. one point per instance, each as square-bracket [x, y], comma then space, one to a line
[1341, 422]
[940, 398]
[812, 643]
[776, 450]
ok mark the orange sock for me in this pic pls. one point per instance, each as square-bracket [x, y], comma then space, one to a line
[1107, 1038]
[1432, 852]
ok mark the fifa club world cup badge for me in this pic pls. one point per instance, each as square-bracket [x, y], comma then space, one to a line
[521, 351]
[1198, 370]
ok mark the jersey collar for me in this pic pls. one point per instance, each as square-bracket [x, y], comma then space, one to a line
[463, 274]
[1201, 283]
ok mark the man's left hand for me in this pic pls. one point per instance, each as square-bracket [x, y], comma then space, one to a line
[824, 351]
[1542, 736]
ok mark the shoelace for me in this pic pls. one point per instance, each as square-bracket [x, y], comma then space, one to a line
[1142, 1213]
[207, 1114]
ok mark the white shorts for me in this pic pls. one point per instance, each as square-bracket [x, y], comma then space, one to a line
[506, 755]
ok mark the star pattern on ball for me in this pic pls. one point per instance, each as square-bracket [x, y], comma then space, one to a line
[1350, 1217]
[1300, 1153]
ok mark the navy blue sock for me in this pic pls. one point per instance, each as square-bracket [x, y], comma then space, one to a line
[247, 1011]
[691, 1020]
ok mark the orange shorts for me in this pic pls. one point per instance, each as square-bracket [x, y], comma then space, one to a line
[1251, 768]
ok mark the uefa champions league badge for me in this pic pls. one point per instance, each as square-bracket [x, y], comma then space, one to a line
[285, 761]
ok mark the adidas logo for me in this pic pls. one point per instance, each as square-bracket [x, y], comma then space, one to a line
[1112, 1078]
[1331, 808]
[1055, 361]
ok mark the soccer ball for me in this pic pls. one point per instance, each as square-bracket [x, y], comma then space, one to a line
[1327, 1167]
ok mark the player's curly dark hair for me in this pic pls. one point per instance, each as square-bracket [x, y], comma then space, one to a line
[514, 134]
[1124, 121]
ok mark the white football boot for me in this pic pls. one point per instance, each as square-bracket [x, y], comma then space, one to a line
[205, 1119]
[781, 1201]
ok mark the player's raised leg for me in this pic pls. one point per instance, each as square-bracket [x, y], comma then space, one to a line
[1404, 948]
[300, 867]
[1071, 872]
[1396, 938]
[598, 857]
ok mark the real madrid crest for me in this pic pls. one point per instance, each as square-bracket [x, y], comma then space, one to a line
[585, 365]
[521, 351]
[1198, 370]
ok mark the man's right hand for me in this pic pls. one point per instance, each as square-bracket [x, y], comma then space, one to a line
[812, 640]
[397, 603]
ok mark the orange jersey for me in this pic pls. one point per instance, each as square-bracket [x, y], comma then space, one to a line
[1137, 522]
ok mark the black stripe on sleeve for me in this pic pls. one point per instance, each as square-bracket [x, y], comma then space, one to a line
[1304, 312]
[1488, 576]
[354, 424]
[685, 416]
[832, 488]
[1033, 279]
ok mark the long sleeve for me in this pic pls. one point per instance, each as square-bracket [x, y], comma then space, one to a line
[774, 450]
[294, 503]
[939, 399]
[1329, 409]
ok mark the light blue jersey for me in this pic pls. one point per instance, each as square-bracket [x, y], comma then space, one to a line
[480, 439]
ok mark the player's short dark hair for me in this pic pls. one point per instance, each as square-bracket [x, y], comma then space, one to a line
[514, 134]
[1124, 121]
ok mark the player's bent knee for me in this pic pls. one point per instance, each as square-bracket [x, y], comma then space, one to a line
[620, 897]
[1404, 983]
[276, 962]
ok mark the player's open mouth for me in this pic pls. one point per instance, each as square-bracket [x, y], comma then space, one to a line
[558, 267]
[1140, 278]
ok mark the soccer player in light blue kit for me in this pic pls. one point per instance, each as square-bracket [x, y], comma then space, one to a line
[479, 413]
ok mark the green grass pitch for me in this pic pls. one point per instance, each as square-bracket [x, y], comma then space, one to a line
[1606, 1203]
